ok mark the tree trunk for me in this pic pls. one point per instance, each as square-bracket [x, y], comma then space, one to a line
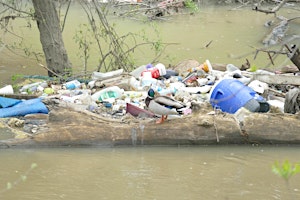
[296, 57]
[51, 38]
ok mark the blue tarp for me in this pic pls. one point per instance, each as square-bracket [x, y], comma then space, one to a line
[22, 108]
[8, 102]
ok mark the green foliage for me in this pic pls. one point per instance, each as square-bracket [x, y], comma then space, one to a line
[286, 170]
[156, 44]
[84, 40]
[15, 79]
[191, 5]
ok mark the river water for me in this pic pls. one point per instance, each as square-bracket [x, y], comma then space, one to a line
[156, 173]
[211, 173]
[233, 35]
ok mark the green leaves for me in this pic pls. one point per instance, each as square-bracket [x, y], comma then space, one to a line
[191, 5]
[286, 170]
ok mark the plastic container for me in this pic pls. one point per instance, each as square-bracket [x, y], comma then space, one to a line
[106, 75]
[71, 85]
[151, 82]
[230, 95]
[108, 93]
[7, 90]
[153, 71]
[167, 91]
[135, 84]
[197, 90]
[258, 86]
[33, 86]
[207, 67]
[138, 71]
[161, 68]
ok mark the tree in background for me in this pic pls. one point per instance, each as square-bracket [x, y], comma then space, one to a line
[48, 23]
[47, 19]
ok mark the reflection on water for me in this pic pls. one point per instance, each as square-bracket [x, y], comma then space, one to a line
[233, 34]
[211, 173]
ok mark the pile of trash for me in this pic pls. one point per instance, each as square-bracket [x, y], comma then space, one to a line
[115, 93]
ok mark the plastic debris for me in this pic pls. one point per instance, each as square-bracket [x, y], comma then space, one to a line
[110, 94]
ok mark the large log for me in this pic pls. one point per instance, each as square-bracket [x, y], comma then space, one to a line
[67, 127]
[277, 79]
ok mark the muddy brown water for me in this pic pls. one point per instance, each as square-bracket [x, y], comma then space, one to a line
[211, 173]
[233, 35]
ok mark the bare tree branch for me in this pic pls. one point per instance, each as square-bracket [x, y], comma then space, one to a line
[15, 9]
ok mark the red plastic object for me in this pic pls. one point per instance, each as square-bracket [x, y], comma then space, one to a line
[154, 72]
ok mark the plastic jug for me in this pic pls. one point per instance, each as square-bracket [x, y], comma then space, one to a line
[108, 93]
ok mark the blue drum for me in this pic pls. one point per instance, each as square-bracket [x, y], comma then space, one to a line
[229, 95]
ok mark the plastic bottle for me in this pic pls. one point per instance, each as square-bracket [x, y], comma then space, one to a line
[148, 81]
[108, 93]
[135, 84]
[91, 84]
[106, 75]
[167, 91]
[71, 85]
[138, 71]
[33, 86]
[207, 67]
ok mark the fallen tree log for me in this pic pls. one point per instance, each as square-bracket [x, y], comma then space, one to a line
[67, 127]
[277, 79]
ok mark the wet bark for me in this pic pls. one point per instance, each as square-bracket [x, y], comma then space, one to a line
[67, 127]
[51, 38]
[296, 56]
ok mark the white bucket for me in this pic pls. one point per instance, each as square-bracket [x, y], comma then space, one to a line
[7, 90]
[161, 68]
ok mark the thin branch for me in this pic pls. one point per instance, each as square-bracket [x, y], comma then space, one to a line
[20, 11]
[273, 11]
[65, 17]
[12, 33]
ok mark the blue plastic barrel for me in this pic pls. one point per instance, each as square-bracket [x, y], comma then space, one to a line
[229, 95]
